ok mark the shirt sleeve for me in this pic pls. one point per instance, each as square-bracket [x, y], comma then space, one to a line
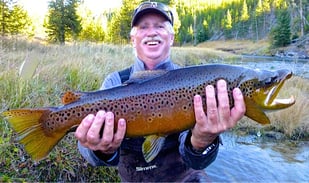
[95, 160]
[99, 159]
[197, 160]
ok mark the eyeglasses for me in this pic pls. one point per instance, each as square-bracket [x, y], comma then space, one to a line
[156, 5]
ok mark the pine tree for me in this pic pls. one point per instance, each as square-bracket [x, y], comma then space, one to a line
[228, 25]
[13, 19]
[19, 20]
[62, 21]
[4, 16]
[281, 34]
[244, 12]
[120, 25]
[92, 27]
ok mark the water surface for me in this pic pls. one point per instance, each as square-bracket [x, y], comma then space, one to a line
[256, 159]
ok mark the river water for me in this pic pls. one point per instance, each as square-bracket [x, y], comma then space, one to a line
[299, 67]
[254, 158]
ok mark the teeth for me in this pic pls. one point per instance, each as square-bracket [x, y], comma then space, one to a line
[152, 42]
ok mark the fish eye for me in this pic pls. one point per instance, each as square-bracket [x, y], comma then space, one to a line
[270, 80]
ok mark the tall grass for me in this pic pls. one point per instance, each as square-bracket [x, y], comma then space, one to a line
[294, 121]
[82, 67]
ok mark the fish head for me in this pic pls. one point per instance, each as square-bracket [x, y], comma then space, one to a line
[265, 87]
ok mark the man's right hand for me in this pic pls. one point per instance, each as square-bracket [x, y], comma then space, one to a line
[88, 132]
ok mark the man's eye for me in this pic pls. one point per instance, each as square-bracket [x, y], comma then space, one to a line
[160, 26]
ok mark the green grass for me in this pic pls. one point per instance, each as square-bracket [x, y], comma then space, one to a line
[82, 67]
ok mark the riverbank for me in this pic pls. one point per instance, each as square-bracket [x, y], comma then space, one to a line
[298, 49]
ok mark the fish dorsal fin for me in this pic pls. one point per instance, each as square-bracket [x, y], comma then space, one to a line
[152, 146]
[142, 76]
[255, 113]
[70, 97]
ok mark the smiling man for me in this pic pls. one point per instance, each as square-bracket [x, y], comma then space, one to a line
[184, 155]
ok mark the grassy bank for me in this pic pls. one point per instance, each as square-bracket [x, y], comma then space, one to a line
[82, 67]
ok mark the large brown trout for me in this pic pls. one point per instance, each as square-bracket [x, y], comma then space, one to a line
[152, 102]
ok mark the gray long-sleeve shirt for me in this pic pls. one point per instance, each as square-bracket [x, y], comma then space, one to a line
[176, 161]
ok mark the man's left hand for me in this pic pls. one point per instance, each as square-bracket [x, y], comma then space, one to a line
[219, 117]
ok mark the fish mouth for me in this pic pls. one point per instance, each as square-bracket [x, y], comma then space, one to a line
[272, 90]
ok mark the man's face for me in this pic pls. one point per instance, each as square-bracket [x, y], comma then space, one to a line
[152, 39]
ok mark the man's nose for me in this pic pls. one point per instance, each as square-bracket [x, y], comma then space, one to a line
[152, 31]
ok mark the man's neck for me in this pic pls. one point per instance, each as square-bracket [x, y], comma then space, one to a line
[152, 64]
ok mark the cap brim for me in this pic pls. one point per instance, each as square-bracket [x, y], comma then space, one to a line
[137, 16]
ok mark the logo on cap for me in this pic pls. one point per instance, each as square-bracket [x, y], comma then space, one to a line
[154, 4]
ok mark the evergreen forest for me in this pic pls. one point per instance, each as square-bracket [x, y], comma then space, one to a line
[196, 21]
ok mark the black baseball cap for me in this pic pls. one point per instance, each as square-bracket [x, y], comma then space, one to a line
[155, 7]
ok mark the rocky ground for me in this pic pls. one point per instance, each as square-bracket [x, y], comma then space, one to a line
[299, 49]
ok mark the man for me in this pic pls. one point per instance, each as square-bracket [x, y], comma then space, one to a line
[184, 155]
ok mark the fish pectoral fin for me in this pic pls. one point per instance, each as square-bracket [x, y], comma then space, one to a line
[255, 113]
[142, 76]
[70, 97]
[152, 146]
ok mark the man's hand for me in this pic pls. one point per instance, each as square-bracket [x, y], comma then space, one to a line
[88, 132]
[219, 116]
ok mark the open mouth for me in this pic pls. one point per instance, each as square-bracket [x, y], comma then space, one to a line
[272, 102]
[152, 43]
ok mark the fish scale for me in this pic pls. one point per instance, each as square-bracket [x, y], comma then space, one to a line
[152, 102]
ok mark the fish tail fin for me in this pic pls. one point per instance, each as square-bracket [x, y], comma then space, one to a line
[28, 124]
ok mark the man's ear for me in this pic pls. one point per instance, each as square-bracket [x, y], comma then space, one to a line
[172, 40]
[133, 41]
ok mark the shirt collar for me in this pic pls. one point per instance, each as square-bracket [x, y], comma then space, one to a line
[164, 65]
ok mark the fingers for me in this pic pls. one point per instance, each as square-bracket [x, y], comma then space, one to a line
[219, 117]
[211, 103]
[120, 133]
[93, 135]
[198, 110]
[90, 135]
[223, 104]
[83, 128]
[108, 132]
[239, 109]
